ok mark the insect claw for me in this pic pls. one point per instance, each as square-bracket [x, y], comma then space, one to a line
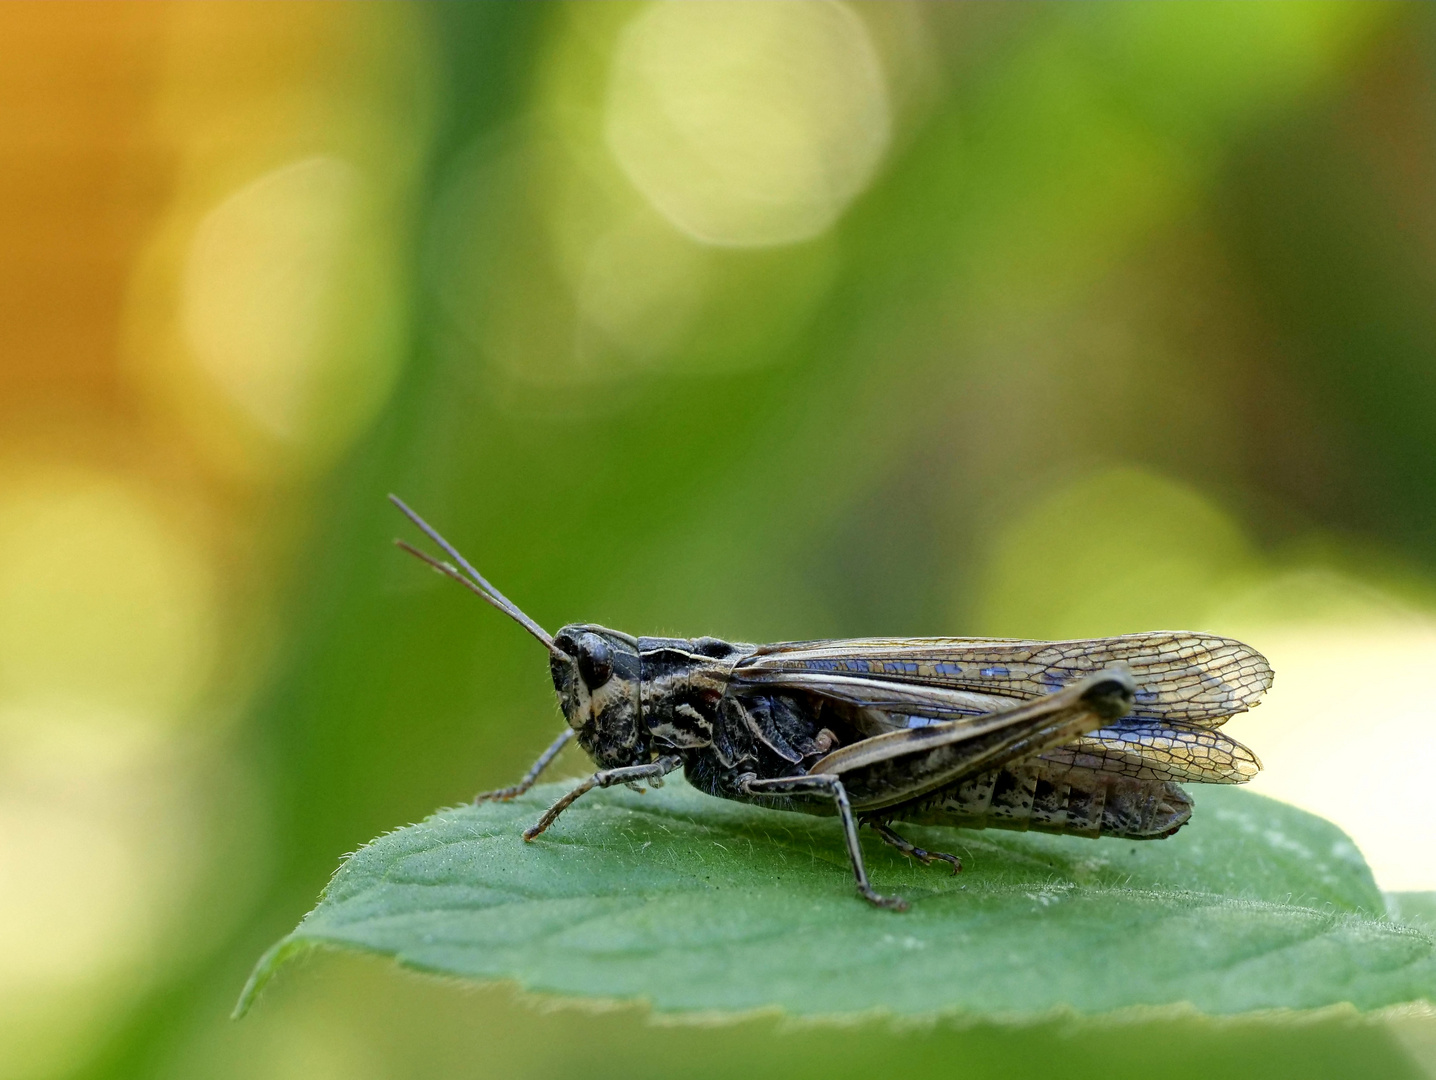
[497, 795]
[912, 851]
[889, 903]
[927, 858]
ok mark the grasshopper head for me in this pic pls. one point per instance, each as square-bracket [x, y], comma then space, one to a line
[595, 673]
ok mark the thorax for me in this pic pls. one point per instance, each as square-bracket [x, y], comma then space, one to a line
[681, 687]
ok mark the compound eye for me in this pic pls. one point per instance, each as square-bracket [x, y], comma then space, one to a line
[595, 661]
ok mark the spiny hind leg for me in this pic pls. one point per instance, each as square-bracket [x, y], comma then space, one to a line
[912, 851]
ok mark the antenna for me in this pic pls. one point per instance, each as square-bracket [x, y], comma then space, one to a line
[472, 580]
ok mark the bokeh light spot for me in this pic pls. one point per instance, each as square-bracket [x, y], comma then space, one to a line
[1117, 551]
[1346, 731]
[103, 603]
[108, 633]
[748, 124]
[289, 303]
[641, 287]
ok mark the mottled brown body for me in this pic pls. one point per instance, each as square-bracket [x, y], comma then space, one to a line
[1087, 738]
[1047, 799]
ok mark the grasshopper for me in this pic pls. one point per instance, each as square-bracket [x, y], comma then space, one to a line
[1087, 738]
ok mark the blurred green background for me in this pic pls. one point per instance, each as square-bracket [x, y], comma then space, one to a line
[768, 321]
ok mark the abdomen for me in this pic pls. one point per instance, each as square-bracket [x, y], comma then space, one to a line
[1077, 802]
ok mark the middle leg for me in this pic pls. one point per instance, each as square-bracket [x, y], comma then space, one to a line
[911, 850]
[831, 786]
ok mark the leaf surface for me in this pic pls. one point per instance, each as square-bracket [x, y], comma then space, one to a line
[693, 904]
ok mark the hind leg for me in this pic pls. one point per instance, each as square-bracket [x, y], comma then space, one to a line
[912, 851]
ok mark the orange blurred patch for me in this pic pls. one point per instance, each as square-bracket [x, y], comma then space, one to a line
[82, 179]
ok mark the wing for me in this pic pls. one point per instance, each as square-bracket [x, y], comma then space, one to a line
[1190, 678]
[1145, 750]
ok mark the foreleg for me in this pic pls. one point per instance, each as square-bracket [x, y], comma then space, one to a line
[505, 794]
[602, 779]
[831, 786]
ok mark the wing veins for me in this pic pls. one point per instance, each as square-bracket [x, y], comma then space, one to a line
[1189, 677]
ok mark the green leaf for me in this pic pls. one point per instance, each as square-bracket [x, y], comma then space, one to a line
[694, 904]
